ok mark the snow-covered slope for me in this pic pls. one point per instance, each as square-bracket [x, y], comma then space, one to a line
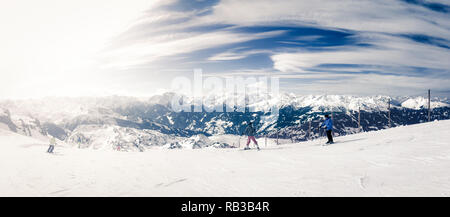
[403, 161]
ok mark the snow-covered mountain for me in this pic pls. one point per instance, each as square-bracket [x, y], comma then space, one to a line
[135, 124]
[120, 138]
[22, 124]
[107, 137]
[422, 103]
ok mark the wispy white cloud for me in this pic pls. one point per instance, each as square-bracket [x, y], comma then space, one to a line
[369, 84]
[151, 50]
[386, 51]
[163, 38]
[380, 24]
[236, 54]
[384, 16]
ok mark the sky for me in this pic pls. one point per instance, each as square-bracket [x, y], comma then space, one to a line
[137, 48]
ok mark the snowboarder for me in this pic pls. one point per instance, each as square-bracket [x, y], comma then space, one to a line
[250, 132]
[328, 125]
[52, 145]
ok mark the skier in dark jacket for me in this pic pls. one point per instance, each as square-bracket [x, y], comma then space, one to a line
[250, 132]
[328, 125]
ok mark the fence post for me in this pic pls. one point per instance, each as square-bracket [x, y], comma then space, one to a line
[309, 131]
[359, 119]
[429, 105]
[389, 113]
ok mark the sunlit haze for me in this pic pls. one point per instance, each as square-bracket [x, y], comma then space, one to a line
[137, 48]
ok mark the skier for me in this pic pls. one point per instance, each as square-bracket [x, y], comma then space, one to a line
[250, 132]
[328, 125]
[52, 145]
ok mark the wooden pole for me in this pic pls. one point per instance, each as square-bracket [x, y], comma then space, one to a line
[389, 113]
[277, 138]
[309, 131]
[429, 105]
[359, 119]
[265, 141]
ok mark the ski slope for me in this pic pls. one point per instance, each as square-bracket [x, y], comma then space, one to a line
[404, 161]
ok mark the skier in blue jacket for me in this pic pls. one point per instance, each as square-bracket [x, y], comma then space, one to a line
[328, 125]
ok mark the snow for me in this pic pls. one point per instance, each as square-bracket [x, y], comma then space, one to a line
[110, 137]
[170, 120]
[217, 126]
[404, 161]
[60, 109]
[421, 102]
[57, 109]
[4, 126]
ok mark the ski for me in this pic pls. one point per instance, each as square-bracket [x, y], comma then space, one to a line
[249, 149]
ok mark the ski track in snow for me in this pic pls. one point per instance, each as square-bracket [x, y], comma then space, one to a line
[404, 161]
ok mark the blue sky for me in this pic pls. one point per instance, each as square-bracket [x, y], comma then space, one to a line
[332, 47]
[376, 47]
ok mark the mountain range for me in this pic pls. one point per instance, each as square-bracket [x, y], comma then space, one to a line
[135, 124]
